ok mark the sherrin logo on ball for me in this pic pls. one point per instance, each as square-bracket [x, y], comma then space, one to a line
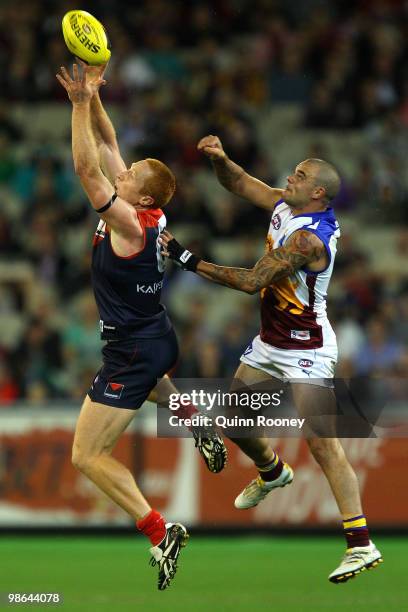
[86, 37]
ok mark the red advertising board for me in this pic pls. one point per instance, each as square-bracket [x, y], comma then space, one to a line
[39, 486]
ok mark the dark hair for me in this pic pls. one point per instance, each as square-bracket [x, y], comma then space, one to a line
[327, 177]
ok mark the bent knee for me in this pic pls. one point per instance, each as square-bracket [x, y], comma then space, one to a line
[81, 459]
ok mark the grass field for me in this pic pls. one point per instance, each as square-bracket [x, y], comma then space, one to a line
[215, 574]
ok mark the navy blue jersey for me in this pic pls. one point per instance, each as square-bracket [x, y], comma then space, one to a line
[127, 289]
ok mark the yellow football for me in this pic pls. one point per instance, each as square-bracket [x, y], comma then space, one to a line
[86, 37]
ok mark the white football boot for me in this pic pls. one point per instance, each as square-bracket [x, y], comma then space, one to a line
[258, 489]
[355, 561]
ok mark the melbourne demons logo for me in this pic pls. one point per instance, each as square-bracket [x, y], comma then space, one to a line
[114, 390]
[276, 221]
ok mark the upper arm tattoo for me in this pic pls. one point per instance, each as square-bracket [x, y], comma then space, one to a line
[302, 248]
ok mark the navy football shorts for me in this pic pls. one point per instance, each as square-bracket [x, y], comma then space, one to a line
[131, 368]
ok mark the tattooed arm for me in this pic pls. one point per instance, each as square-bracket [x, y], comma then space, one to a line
[303, 248]
[235, 179]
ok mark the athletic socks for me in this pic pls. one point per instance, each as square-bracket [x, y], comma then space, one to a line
[186, 412]
[356, 531]
[272, 470]
[153, 526]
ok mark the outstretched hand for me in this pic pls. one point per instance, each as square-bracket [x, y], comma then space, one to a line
[212, 147]
[176, 252]
[81, 88]
[93, 74]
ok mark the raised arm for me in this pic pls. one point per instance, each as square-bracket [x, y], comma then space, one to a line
[303, 248]
[109, 155]
[235, 179]
[110, 159]
[121, 216]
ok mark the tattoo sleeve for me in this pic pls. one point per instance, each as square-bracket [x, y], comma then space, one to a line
[228, 172]
[303, 248]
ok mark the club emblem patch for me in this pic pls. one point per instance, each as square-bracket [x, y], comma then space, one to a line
[276, 221]
[113, 390]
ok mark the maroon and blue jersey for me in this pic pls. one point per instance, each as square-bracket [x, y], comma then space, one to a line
[127, 289]
[293, 309]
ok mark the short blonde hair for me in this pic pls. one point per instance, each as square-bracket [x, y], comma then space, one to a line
[161, 184]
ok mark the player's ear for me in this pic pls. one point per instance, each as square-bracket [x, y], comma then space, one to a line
[319, 192]
[146, 201]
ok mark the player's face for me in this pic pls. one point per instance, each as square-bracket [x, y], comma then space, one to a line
[129, 183]
[301, 185]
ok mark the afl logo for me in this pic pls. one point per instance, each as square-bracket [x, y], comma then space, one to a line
[305, 363]
[86, 28]
[276, 222]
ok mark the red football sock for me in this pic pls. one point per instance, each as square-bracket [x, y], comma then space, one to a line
[186, 412]
[153, 526]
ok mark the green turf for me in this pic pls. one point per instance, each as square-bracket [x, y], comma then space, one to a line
[215, 575]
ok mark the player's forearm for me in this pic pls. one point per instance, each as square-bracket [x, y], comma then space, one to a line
[241, 279]
[268, 270]
[95, 129]
[102, 123]
[84, 149]
[228, 173]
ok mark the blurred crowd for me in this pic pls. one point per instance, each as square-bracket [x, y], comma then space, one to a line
[179, 71]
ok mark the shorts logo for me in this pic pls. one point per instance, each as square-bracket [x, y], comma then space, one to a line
[105, 327]
[113, 390]
[305, 363]
[276, 221]
[248, 349]
[300, 334]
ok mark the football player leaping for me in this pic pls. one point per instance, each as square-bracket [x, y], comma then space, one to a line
[141, 345]
[209, 444]
[296, 343]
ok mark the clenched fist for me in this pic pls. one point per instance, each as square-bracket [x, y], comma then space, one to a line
[212, 147]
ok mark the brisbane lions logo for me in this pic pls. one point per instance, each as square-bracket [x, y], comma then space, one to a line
[276, 221]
